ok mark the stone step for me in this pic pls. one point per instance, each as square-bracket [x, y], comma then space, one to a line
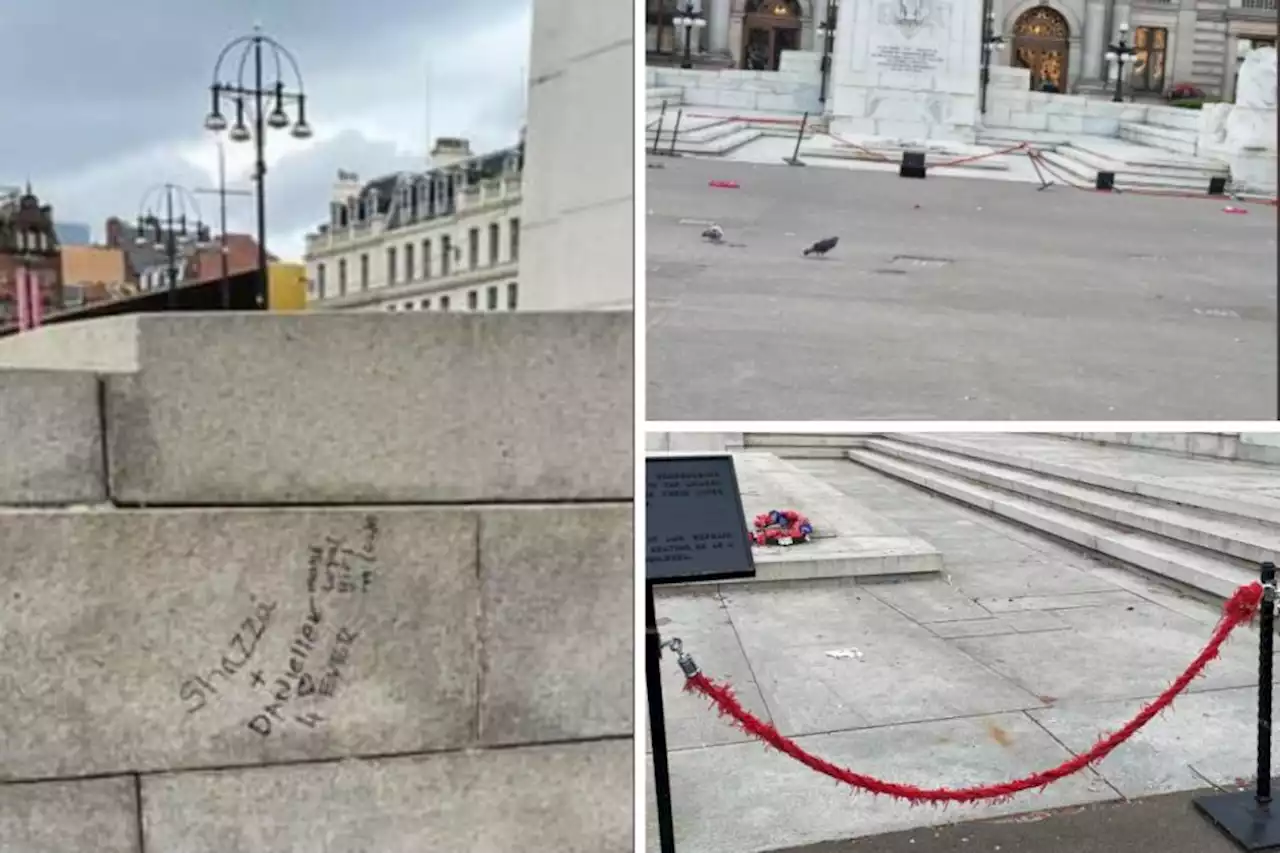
[1196, 176]
[802, 445]
[1174, 117]
[1207, 445]
[338, 407]
[1030, 458]
[700, 131]
[1168, 138]
[656, 95]
[1185, 566]
[43, 464]
[718, 147]
[893, 154]
[161, 639]
[1253, 542]
[849, 540]
[1086, 175]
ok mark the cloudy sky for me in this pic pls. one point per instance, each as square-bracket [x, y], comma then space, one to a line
[113, 95]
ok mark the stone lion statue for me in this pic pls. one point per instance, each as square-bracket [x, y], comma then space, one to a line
[1256, 85]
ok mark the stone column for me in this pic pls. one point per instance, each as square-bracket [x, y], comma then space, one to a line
[819, 17]
[1121, 16]
[1095, 21]
[718, 26]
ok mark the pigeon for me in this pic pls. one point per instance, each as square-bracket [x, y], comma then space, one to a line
[715, 234]
[821, 247]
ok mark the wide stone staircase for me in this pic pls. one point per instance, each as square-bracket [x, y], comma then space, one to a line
[1203, 525]
[301, 582]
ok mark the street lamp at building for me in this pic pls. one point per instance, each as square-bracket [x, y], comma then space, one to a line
[689, 17]
[249, 95]
[1119, 55]
[168, 231]
[827, 32]
[991, 42]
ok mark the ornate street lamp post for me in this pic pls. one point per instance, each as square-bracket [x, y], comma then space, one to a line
[251, 96]
[1119, 55]
[827, 31]
[168, 232]
[991, 42]
[690, 18]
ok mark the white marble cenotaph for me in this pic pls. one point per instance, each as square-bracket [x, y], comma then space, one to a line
[907, 69]
[1243, 134]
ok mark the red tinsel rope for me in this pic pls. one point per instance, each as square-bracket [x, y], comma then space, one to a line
[1239, 609]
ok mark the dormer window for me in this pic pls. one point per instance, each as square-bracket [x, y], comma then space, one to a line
[354, 210]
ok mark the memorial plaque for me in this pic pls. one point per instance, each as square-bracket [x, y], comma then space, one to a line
[695, 530]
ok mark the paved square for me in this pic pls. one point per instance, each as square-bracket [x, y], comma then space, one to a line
[1060, 304]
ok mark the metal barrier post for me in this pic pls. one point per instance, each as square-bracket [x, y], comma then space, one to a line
[794, 159]
[657, 133]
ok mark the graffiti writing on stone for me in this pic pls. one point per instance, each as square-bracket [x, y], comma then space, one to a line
[200, 689]
[319, 650]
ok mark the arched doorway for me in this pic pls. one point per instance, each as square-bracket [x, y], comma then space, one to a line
[768, 28]
[1040, 44]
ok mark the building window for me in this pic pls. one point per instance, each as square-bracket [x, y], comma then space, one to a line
[408, 262]
[491, 298]
[392, 307]
[494, 238]
[515, 239]
[342, 276]
[426, 259]
[444, 303]
[1148, 60]
[425, 304]
[473, 301]
[391, 265]
[473, 248]
[320, 281]
[446, 255]
[511, 296]
[364, 272]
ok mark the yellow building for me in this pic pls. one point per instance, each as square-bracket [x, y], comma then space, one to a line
[287, 286]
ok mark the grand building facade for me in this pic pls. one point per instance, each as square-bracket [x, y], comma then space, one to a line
[444, 239]
[1062, 42]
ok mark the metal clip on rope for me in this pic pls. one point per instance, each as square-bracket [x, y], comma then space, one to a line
[687, 664]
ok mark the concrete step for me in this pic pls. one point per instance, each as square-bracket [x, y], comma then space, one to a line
[893, 154]
[802, 445]
[1253, 542]
[849, 540]
[1185, 566]
[718, 147]
[1086, 175]
[694, 131]
[233, 427]
[1045, 140]
[1242, 447]
[1208, 498]
[1174, 117]
[1181, 176]
[1133, 155]
[1168, 138]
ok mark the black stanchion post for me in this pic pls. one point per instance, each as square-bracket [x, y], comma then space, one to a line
[795, 160]
[1248, 817]
[675, 131]
[1045, 183]
[657, 133]
[657, 724]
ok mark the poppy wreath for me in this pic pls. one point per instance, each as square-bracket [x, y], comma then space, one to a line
[781, 527]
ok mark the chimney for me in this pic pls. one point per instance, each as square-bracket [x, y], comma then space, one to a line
[449, 150]
[347, 185]
[115, 233]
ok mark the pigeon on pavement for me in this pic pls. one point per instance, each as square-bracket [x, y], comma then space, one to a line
[821, 247]
[715, 234]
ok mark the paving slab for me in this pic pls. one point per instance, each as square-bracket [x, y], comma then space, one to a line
[1114, 652]
[744, 799]
[60, 817]
[1162, 824]
[575, 798]
[1031, 621]
[760, 333]
[850, 540]
[422, 392]
[52, 452]
[1204, 738]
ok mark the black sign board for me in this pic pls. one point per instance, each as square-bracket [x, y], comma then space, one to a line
[695, 530]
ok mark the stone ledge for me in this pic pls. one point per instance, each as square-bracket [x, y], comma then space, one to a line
[348, 408]
[568, 798]
[156, 639]
[52, 447]
[61, 817]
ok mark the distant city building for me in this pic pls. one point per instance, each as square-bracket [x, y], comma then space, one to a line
[444, 239]
[73, 233]
[147, 263]
[93, 274]
[29, 245]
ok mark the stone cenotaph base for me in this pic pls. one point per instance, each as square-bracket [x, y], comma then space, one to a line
[907, 69]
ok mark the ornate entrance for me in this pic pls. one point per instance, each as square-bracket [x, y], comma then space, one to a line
[1040, 44]
[769, 27]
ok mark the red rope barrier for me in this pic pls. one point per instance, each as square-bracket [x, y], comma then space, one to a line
[1239, 609]
[1020, 146]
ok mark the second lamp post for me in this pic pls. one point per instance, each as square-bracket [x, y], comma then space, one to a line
[250, 96]
[168, 232]
[689, 17]
[1119, 55]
